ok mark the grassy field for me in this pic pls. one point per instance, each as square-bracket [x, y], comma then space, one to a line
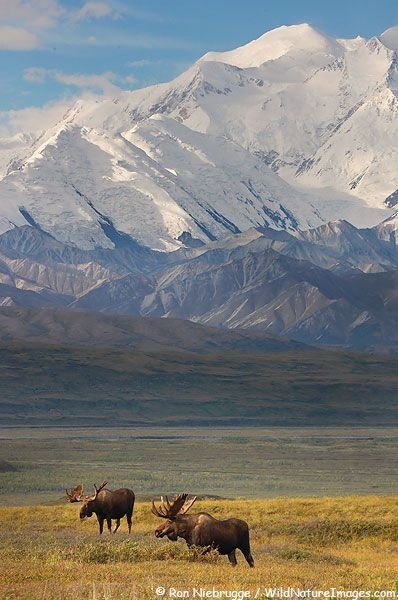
[319, 503]
[37, 464]
[348, 543]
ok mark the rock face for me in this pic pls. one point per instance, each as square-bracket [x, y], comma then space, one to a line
[335, 284]
[290, 131]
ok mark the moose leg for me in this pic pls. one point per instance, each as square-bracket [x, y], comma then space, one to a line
[232, 558]
[101, 524]
[109, 523]
[117, 525]
[129, 520]
[248, 555]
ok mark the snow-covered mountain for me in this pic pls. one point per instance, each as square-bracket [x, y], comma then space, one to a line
[154, 182]
[329, 111]
[293, 130]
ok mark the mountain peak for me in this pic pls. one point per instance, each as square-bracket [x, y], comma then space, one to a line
[276, 43]
[193, 156]
[390, 38]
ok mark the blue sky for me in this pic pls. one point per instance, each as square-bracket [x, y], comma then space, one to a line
[51, 50]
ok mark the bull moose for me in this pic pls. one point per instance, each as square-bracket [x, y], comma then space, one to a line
[107, 505]
[202, 529]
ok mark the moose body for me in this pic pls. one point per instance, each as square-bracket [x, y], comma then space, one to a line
[107, 505]
[203, 530]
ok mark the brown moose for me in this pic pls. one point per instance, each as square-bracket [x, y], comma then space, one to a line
[106, 504]
[202, 529]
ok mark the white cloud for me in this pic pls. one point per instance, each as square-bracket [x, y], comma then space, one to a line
[141, 15]
[35, 74]
[25, 23]
[32, 119]
[115, 38]
[17, 38]
[130, 79]
[97, 83]
[29, 24]
[93, 10]
[103, 83]
[35, 14]
[143, 63]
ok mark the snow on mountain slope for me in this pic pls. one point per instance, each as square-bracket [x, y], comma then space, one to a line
[334, 125]
[153, 183]
[296, 98]
[361, 156]
[370, 160]
[194, 155]
[390, 38]
[277, 43]
[12, 148]
[388, 230]
[334, 205]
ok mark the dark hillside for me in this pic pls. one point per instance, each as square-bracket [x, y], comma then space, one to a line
[49, 385]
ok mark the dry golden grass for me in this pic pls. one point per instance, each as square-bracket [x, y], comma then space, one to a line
[349, 543]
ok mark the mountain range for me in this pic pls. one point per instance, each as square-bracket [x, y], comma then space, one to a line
[258, 190]
[334, 285]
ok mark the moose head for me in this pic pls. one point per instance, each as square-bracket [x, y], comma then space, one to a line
[89, 504]
[173, 512]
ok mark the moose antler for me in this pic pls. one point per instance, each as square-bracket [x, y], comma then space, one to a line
[75, 494]
[187, 505]
[180, 505]
[98, 489]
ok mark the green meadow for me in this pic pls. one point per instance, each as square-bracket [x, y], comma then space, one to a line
[247, 463]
